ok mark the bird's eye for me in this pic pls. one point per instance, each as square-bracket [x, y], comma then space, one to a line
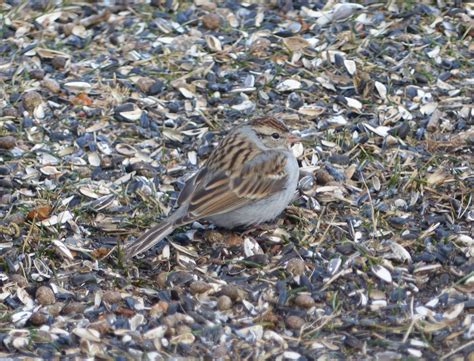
[275, 135]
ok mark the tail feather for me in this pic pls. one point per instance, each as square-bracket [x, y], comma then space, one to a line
[149, 239]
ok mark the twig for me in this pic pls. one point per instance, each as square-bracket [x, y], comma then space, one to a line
[28, 236]
[326, 231]
[457, 350]
[413, 321]
[335, 277]
[410, 328]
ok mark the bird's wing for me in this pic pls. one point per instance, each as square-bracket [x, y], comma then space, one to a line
[258, 175]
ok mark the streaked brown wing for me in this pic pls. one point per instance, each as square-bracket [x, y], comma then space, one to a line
[217, 162]
[259, 177]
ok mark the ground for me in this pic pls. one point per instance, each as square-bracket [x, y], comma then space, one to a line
[106, 109]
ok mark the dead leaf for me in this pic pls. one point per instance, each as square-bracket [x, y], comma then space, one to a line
[438, 177]
[81, 99]
[295, 43]
[39, 213]
[100, 252]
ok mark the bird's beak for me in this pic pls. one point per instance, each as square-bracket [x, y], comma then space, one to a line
[293, 139]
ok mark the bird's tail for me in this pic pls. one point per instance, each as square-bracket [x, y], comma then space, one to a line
[149, 239]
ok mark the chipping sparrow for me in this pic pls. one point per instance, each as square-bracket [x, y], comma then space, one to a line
[248, 179]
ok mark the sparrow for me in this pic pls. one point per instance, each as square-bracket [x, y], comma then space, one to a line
[248, 179]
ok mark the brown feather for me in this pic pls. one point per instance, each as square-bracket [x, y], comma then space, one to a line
[269, 122]
[255, 180]
[149, 239]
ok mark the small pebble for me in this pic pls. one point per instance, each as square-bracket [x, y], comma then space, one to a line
[31, 100]
[161, 279]
[37, 74]
[7, 142]
[112, 297]
[197, 287]
[52, 85]
[411, 91]
[211, 21]
[59, 62]
[224, 303]
[38, 318]
[235, 293]
[305, 301]
[73, 308]
[45, 296]
[323, 177]
[55, 310]
[295, 266]
[294, 322]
